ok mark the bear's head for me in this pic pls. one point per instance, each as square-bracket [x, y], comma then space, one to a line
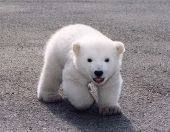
[98, 59]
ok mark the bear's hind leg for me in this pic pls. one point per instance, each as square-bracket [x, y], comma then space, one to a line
[49, 82]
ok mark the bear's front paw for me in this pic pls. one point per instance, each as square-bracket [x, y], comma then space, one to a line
[110, 110]
[50, 98]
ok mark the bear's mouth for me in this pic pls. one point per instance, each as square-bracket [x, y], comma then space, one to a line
[98, 79]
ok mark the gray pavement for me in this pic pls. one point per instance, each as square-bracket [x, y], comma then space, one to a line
[144, 27]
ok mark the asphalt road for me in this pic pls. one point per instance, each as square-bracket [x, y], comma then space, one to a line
[144, 27]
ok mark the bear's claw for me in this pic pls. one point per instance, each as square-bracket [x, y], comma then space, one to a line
[110, 110]
[51, 98]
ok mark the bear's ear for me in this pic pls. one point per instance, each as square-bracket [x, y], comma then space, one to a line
[120, 47]
[76, 48]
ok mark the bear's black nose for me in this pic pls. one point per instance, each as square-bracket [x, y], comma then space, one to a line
[98, 73]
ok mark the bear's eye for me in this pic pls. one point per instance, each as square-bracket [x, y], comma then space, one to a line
[89, 60]
[106, 60]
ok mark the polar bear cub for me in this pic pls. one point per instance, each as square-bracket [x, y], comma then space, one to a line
[75, 56]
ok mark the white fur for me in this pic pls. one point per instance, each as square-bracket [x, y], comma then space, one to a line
[65, 61]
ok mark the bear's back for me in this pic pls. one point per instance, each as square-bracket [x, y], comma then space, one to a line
[60, 43]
